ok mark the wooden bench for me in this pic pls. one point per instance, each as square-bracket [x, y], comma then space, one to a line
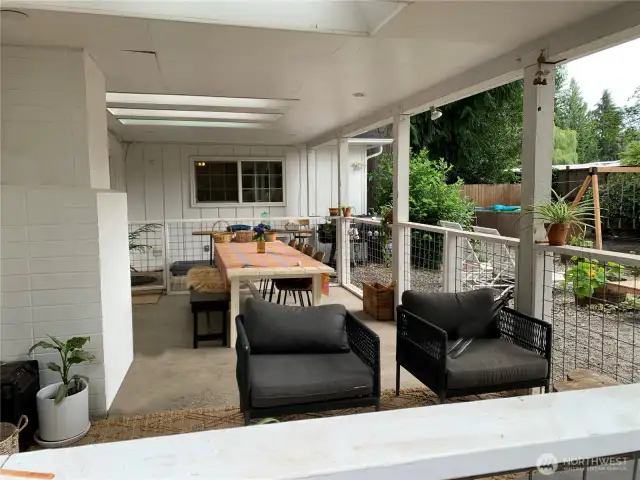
[207, 303]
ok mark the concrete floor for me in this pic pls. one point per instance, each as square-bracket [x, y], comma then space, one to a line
[167, 374]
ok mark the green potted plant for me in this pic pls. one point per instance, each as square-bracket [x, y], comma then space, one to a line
[63, 407]
[559, 215]
[346, 210]
[584, 278]
[386, 212]
[135, 246]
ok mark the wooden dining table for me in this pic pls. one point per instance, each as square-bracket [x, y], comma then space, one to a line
[240, 263]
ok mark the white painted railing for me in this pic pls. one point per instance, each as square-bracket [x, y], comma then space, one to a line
[459, 440]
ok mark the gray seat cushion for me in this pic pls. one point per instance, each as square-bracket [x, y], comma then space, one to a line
[494, 361]
[278, 380]
[181, 267]
[272, 328]
[449, 311]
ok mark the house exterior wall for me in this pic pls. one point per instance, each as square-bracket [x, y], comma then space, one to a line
[158, 181]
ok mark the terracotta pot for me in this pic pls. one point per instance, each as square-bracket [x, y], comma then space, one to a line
[270, 236]
[389, 218]
[557, 234]
[346, 211]
[334, 212]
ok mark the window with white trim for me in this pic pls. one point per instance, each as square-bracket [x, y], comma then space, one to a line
[238, 181]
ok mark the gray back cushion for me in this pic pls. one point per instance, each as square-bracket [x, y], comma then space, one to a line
[273, 328]
[450, 311]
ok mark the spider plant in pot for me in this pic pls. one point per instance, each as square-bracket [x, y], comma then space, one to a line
[559, 215]
[63, 407]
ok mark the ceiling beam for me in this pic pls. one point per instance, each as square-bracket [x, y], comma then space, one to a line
[609, 28]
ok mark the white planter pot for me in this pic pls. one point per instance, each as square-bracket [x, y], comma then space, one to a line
[67, 419]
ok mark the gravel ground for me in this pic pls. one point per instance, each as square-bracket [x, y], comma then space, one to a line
[421, 279]
[605, 341]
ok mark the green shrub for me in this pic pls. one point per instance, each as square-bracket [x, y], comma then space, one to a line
[431, 198]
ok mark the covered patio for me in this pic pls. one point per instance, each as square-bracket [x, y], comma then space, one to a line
[123, 121]
[168, 374]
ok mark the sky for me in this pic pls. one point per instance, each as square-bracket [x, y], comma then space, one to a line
[617, 69]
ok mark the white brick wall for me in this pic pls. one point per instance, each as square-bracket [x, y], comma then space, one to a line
[54, 128]
[50, 277]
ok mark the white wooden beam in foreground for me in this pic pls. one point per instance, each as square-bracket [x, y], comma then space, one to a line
[436, 442]
[401, 160]
[611, 27]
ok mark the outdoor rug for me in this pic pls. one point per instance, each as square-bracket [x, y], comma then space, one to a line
[146, 299]
[202, 419]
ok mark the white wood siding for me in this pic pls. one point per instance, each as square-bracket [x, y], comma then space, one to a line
[158, 181]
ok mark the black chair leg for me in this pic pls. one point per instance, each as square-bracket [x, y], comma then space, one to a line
[378, 406]
[273, 288]
[397, 379]
[247, 419]
[195, 330]
[547, 388]
[300, 297]
[442, 397]
[309, 297]
[284, 301]
[280, 295]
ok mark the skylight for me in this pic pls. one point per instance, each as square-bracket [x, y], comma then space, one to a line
[198, 101]
[190, 123]
[149, 113]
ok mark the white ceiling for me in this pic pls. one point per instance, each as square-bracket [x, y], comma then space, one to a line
[423, 44]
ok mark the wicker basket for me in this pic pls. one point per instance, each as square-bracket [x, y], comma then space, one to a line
[377, 300]
[222, 237]
[243, 236]
[10, 434]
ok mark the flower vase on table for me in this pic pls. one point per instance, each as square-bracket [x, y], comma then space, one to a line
[259, 237]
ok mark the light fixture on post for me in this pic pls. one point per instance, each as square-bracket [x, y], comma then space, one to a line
[435, 113]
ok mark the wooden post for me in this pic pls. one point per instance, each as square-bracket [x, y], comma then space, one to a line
[596, 210]
[583, 189]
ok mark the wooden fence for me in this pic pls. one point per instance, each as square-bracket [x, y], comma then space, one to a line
[489, 195]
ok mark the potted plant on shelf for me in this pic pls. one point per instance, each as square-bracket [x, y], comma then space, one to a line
[334, 212]
[559, 215]
[63, 407]
[346, 210]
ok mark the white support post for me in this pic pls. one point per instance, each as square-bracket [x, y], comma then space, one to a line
[401, 152]
[537, 150]
[452, 263]
[342, 240]
[312, 195]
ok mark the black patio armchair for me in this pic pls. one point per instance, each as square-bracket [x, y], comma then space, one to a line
[502, 348]
[304, 359]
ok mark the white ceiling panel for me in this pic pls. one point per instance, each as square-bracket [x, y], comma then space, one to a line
[423, 44]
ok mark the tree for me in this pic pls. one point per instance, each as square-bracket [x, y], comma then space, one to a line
[572, 113]
[431, 197]
[608, 127]
[480, 136]
[565, 144]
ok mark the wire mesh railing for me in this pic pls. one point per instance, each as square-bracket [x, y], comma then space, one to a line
[592, 298]
[424, 259]
[370, 252]
[147, 255]
[483, 261]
